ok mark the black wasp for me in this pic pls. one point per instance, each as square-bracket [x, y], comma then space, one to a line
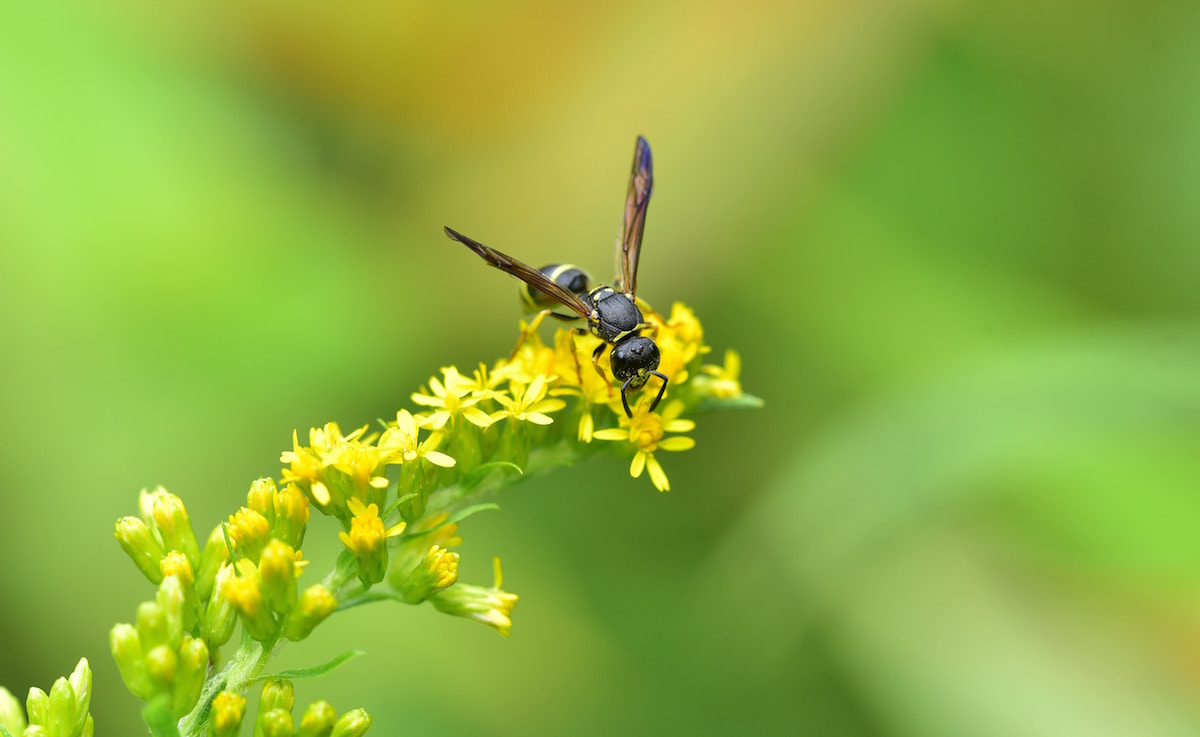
[612, 314]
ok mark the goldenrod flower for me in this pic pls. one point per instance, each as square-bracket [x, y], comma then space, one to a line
[366, 540]
[451, 399]
[529, 403]
[245, 593]
[646, 430]
[491, 606]
[400, 443]
[437, 571]
[249, 532]
[722, 382]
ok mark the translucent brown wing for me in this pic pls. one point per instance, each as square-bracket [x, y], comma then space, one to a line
[524, 272]
[629, 248]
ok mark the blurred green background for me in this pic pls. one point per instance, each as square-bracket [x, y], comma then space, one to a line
[957, 244]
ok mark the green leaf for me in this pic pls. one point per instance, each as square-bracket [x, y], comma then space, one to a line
[483, 470]
[316, 670]
[745, 401]
[454, 518]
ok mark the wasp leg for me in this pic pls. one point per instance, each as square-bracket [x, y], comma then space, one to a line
[657, 399]
[596, 360]
[529, 330]
[661, 389]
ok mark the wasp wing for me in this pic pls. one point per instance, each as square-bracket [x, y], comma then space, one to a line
[524, 272]
[629, 248]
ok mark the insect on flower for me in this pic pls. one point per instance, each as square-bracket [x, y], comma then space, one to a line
[611, 313]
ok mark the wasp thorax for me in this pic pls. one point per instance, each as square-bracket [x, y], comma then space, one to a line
[614, 314]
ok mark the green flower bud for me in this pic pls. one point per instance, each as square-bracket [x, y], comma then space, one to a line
[170, 598]
[89, 727]
[318, 720]
[436, 572]
[126, 649]
[36, 730]
[191, 672]
[12, 716]
[152, 625]
[277, 693]
[175, 564]
[292, 515]
[215, 555]
[139, 542]
[249, 531]
[228, 710]
[81, 685]
[314, 605]
[37, 705]
[219, 616]
[412, 484]
[161, 665]
[61, 717]
[277, 567]
[275, 723]
[261, 498]
[245, 594]
[352, 724]
[171, 519]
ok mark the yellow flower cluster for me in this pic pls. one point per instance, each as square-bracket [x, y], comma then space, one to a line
[398, 493]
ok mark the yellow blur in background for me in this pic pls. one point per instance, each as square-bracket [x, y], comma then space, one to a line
[957, 245]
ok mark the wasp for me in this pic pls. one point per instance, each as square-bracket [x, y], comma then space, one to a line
[612, 313]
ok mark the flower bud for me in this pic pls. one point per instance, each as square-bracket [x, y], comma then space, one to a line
[215, 555]
[261, 498]
[292, 513]
[170, 518]
[436, 572]
[126, 648]
[277, 693]
[12, 716]
[246, 596]
[192, 669]
[161, 665]
[139, 542]
[228, 710]
[491, 606]
[81, 685]
[352, 724]
[249, 531]
[61, 717]
[318, 720]
[277, 568]
[314, 605]
[367, 541]
[38, 706]
[175, 564]
[220, 616]
[275, 723]
[170, 599]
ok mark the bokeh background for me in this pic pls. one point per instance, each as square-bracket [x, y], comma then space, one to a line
[957, 244]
